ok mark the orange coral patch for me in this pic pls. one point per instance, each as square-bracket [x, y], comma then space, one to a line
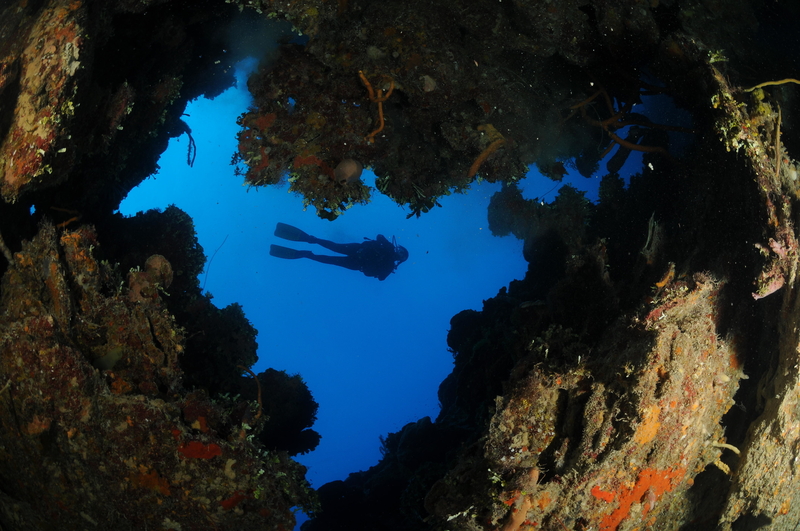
[543, 501]
[785, 506]
[647, 430]
[601, 494]
[198, 450]
[120, 386]
[660, 481]
[512, 499]
[264, 122]
[233, 501]
[38, 425]
[151, 481]
[306, 161]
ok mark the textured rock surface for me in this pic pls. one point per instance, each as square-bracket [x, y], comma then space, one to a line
[123, 447]
[645, 369]
[606, 390]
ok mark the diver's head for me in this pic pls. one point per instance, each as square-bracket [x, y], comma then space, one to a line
[400, 254]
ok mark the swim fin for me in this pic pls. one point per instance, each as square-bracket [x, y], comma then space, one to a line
[287, 232]
[284, 252]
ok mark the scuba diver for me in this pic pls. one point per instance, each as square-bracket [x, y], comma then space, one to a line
[375, 258]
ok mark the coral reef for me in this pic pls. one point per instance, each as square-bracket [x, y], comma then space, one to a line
[629, 381]
[485, 97]
[218, 341]
[92, 92]
[42, 68]
[290, 411]
[589, 445]
[643, 374]
[123, 446]
[296, 112]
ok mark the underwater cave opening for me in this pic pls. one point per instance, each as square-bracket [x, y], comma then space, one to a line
[372, 353]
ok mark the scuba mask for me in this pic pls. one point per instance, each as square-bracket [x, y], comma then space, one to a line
[400, 252]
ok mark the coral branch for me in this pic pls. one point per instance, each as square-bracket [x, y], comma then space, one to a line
[378, 98]
[367, 84]
[494, 146]
[7, 253]
[371, 136]
[778, 146]
[191, 155]
[496, 141]
[770, 83]
[587, 101]
[730, 447]
[517, 515]
[637, 147]
[618, 120]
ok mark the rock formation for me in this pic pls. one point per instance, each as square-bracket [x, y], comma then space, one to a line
[643, 375]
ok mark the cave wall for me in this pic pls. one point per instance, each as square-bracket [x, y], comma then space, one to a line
[127, 399]
[642, 375]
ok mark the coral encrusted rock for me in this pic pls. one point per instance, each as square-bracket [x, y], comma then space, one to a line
[97, 431]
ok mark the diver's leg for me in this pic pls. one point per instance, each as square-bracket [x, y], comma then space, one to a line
[350, 249]
[348, 262]
[280, 251]
[287, 232]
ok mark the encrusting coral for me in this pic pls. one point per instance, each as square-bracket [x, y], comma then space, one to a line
[117, 444]
[606, 439]
[605, 390]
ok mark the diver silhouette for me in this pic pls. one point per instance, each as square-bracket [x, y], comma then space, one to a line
[375, 258]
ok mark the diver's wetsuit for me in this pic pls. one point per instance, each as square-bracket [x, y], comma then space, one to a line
[375, 258]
